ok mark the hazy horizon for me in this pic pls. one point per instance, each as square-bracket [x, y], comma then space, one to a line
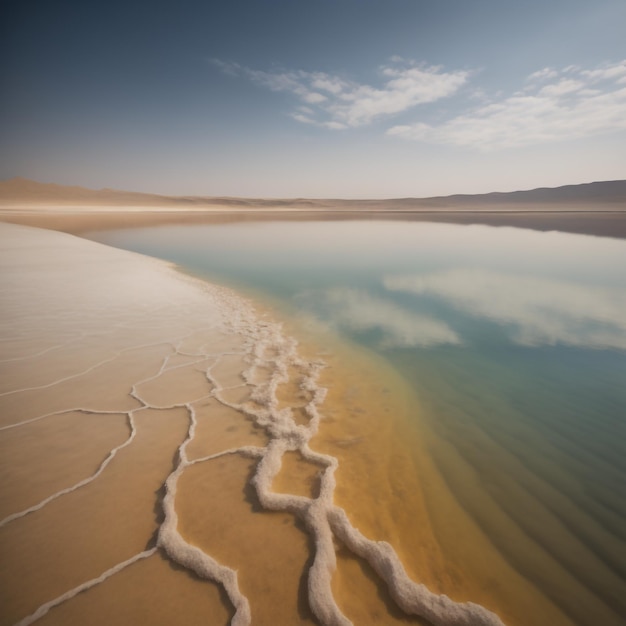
[70, 187]
[327, 100]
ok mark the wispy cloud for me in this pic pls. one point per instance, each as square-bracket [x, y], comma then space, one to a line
[552, 106]
[335, 102]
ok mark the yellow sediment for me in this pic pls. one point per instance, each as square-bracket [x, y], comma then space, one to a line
[220, 513]
[298, 476]
[361, 596]
[222, 428]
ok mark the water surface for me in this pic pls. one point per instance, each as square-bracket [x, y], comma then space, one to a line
[514, 342]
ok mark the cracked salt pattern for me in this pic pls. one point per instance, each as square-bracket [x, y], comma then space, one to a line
[272, 362]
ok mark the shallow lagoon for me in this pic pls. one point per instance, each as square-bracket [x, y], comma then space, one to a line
[514, 342]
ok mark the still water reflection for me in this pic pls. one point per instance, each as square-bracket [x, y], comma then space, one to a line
[515, 344]
[416, 284]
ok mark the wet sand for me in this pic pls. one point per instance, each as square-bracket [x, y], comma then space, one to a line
[109, 359]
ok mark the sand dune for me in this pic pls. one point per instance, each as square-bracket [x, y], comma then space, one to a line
[597, 196]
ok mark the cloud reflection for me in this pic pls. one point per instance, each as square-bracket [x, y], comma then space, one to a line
[541, 311]
[357, 310]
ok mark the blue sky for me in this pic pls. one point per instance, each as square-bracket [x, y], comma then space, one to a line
[315, 98]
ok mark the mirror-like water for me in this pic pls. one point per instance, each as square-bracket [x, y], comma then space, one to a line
[515, 344]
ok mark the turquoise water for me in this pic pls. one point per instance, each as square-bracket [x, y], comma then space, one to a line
[514, 340]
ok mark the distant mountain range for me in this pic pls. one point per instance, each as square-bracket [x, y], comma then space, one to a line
[596, 196]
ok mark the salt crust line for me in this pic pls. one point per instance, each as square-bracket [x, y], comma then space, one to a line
[62, 380]
[61, 412]
[41, 352]
[202, 357]
[44, 608]
[265, 347]
[85, 481]
[116, 449]
[117, 354]
[189, 556]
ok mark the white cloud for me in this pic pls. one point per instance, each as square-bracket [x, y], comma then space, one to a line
[544, 74]
[312, 97]
[607, 73]
[301, 117]
[324, 82]
[570, 104]
[357, 310]
[539, 311]
[565, 86]
[341, 103]
[333, 125]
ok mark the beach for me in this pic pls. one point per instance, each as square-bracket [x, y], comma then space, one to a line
[145, 419]
[171, 451]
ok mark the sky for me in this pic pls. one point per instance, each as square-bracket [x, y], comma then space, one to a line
[313, 98]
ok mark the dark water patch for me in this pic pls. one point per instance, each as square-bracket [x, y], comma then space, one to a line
[493, 437]
[532, 559]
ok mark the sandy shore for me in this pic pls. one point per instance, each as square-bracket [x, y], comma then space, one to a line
[159, 439]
